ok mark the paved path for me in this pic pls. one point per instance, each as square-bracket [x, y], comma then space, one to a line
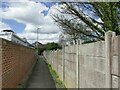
[41, 77]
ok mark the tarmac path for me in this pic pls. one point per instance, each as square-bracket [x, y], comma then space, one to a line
[41, 77]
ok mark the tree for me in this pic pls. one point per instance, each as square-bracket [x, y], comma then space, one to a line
[90, 20]
[41, 50]
[48, 46]
[52, 46]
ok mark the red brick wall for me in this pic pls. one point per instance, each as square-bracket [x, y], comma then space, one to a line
[0, 64]
[16, 62]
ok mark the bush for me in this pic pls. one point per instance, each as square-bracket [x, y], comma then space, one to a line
[53, 46]
[48, 46]
[40, 51]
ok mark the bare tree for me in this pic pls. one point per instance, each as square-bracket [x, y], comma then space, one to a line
[89, 19]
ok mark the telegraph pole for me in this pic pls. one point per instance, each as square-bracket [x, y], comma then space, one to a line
[37, 40]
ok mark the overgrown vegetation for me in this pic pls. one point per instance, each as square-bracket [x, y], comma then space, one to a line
[59, 83]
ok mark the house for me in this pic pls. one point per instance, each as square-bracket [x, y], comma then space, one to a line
[11, 36]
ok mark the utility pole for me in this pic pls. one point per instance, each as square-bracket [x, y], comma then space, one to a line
[37, 40]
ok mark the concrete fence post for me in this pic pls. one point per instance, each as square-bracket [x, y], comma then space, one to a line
[63, 63]
[108, 56]
[57, 59]
[77, 62]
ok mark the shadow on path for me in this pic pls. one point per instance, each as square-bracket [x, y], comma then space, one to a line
[41, 77]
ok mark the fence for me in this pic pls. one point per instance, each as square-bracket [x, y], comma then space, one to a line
[15, 62]
[93, 65]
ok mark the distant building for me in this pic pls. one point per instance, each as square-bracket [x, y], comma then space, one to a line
[11, 36]
[38, 45]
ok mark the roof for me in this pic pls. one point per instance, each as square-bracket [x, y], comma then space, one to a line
[8, 31]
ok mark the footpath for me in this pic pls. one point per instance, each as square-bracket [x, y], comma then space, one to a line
[41, 77]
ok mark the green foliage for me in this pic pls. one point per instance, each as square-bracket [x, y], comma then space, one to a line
[53, 46]
[87, 24]
[56, 78]
[40, 50]
[48, 46]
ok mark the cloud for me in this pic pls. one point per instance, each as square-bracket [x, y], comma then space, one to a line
[33, 36]
[30, 14]
[43, 38]
[4, 26]
[27, 12]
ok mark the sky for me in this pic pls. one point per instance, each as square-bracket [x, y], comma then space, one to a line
[25, 17]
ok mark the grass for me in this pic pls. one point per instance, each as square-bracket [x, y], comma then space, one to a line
[58, 82]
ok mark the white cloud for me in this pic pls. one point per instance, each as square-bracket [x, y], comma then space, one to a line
[30, 14]
[4, 26]
[30, 28]
[26, 12]
[32, 37]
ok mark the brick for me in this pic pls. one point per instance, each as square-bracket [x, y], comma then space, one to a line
[15, 62]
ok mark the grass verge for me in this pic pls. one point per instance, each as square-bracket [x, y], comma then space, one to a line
[58, 82]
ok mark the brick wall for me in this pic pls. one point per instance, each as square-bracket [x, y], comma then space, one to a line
[0, 64]
[16, 60]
